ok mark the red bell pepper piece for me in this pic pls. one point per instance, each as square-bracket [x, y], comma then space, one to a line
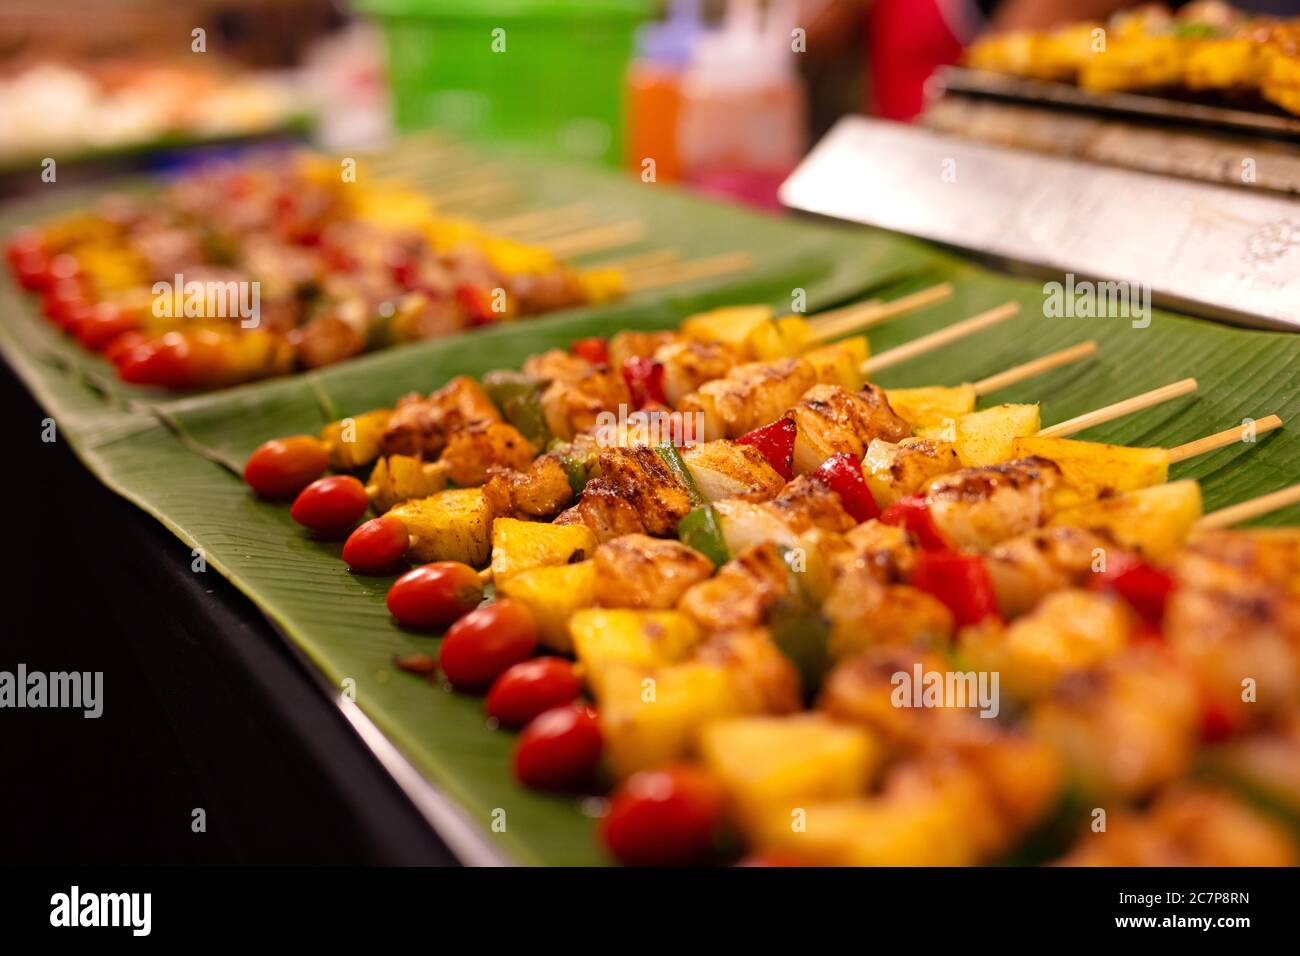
[594, 350]
[1217, 722]
[776, 443]
[842, 474]
[1145, 587]
[912, 514]
[475, 303]
[645, 380]
[960, 582]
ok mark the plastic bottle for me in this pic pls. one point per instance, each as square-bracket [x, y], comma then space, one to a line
[654, 89]
[742, 128]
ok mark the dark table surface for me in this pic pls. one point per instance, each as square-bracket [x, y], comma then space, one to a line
[205, 707]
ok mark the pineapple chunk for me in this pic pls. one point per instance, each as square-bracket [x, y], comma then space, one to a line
[355, 441]
[521, 545]
[988, 437]
[932, 406]
[399, 478]
[778, 338]
[841, 363]
[1096, 470]
[453, 525]
[553, 594]
[772, 765]
[730, 325]
[1155, 521]
[605, 640]
[652, 717]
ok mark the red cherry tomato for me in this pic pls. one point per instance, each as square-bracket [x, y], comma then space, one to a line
[22, 243]
[105, 322]
[283, 467]
[594, 350]
[124, 343]
[528, 689]
[59, 268]
[486, 641]
[31, 269]
[559, 749]
[377, 545]
[330, 505]
[59, 298]
[170, 361]
[435, 595]
[665, 817]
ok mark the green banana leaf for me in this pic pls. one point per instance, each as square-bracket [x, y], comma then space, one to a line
[178, 460]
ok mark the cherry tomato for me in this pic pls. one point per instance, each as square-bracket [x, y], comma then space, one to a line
[527, 689]
[57, 299]
[483, 643]
[435, 595]
[115, 349]
[105, 322]
[559, 749]
[664, 817]
[31, 269]
[330, 505]
[377, 545]
[166, 361]
[22, 243]
[283, 467]
[594, 350]
[59, 268]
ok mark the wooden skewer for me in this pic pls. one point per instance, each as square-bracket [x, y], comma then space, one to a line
[688, 271]
[476, 192]
[640, 262]
[525, 221]
[854, 318]
[1119, 409]
[1229, 436]
[1235, 514]
[593, 240]
[1037, 366]
[928, 343]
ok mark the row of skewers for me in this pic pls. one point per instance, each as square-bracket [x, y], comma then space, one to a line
[244, 271]
[746, 592]
[1202, 47]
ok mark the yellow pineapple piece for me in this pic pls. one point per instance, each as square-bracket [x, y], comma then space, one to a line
[988, 437]
[553, 594]
[841, 363]
[1155, 521]
[776, 764]
[730, 325]
[355, 441]
[778, 338]
[933, 405]
[453, 525]
[605, 639]
[1097, 470]
[521, 545]
[399, 478]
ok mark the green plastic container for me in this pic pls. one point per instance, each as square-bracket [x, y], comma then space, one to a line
[547, 72]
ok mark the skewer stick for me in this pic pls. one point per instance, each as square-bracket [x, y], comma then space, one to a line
[1229, 436]
[598, 238]
[928, 343]
[641, 261]
[688, 271]
[475, 192]
[1235, 514]
[523, 222]
[1119, 409]
[854, 318]
[1037, 366]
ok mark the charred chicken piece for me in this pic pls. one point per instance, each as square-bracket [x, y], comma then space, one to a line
[979, 507]
[422, 426]
[638, 571]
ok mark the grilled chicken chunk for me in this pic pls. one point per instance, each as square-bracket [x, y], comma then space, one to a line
[638, 571]
[763, 675]
[422, 426]
[571, 407]
[885, 551]
[724, 469]
[626, 345]
[640, 477]
[806, 503]
[1189, 826]
[542, 490]
[894, 471]
[863, 613]
[833, 420]
[689, 363]
[557, 365]
[1027, 568]
[751, 395]
[742, 591]
[602, 509]
[1235, 615]
[472, 450]
[978, 507]
[1124, 729]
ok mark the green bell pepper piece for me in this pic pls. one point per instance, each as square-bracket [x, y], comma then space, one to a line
[701, 529]
[519, 398]
[677, 465]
